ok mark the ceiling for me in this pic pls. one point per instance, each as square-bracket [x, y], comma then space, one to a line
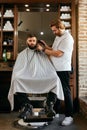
[36, 5]
[29, 1]
[39, 7]
[35, 1]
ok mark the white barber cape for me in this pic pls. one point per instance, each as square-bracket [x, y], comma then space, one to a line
[34, 73]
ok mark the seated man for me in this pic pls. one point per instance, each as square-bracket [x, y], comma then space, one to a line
[33, 73]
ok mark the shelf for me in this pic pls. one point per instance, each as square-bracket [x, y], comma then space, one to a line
[8, 31]
[67, 19]
[5, 66]
[64, 11]
[7, 17]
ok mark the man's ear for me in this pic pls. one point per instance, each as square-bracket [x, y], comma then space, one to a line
[61, 30]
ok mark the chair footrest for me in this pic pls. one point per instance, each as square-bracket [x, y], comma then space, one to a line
[38, 119]
[37, 98]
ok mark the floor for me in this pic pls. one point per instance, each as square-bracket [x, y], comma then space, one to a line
[8, 121]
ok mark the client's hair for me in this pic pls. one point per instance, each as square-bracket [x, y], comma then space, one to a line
[31, 35]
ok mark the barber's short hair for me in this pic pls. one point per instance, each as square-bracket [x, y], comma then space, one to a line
[58, 23]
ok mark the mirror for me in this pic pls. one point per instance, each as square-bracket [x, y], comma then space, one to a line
[35, 22]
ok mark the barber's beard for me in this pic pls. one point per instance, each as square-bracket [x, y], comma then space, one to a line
[32, 47]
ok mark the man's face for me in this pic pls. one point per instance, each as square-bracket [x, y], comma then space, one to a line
[32, 41]
[55, 30]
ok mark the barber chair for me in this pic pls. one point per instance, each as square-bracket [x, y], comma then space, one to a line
[39, 117]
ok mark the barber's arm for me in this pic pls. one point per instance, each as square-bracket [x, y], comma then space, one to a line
[54, 53]
[46, 46]
[48, 50]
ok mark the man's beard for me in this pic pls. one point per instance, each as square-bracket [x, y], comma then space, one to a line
[32, 47]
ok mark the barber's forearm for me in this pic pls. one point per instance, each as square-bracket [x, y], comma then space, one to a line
[49, 48]
[53, 53]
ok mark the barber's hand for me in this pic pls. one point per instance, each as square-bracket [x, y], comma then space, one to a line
[45, 44]
[39, 48]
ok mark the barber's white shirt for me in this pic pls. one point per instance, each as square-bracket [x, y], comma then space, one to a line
[65, 44]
